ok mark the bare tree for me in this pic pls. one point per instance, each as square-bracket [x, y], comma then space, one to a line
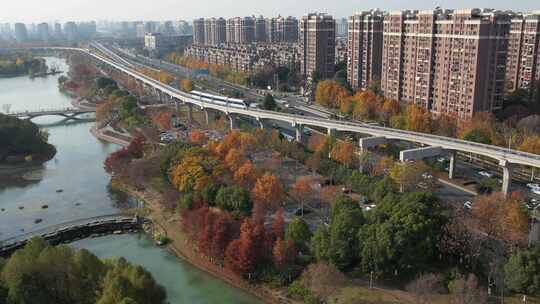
[424, 287]
[323, 279]
[466, 290]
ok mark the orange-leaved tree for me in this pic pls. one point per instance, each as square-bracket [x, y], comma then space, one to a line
[197, 137]
[330, 94]
[418, 119]
[163, 120]
[502, 216]
[246, 175]
[268, 192]
[186, 85]
[531, 144]
[343, 152]
[234, 159]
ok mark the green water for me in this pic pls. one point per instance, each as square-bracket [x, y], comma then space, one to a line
[77, 169]
[184, 283]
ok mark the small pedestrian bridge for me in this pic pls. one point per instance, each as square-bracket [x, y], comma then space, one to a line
[74, 230]
[70, 113]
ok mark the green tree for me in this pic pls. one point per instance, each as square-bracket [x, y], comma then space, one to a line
[402, 234]
[234, 198]
[320, 244]
[126, 282]
[298, 231]
[269, 102]
[523, 271]
[346, 219]
[338, 243]
[477, 135]
[44, 274]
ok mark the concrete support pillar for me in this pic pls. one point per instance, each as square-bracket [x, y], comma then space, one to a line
[190, 112]
[261, 123]
[507, 176]
[299, 133]
[331, 132]
[233, 121]
[452, 165]
[209, 115]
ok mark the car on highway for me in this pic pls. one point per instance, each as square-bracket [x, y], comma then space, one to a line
[533, 186]
[485, 174]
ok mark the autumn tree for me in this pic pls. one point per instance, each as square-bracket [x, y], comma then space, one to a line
[186, 85]
[197, 137]
[246, 252]
[418, 119]
[389, 108]
[330, 94]
[104, 111]
[481, 128]
[163, 120]
[343, 152]
[531, 144]
[302, 191]
[268, 191]
[219, 229]
[283, 252]
[408, 175]
[234, 159]
[195, 170]
[366, 106]
[246, 175]
[446, 125]
[383, 165]
[502, 216]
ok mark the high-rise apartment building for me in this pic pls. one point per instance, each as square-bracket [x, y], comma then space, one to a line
[214, 31]
[21, 35]
[446, 61]
[342, 26]
[72, 32]
[198, 31]
[260, 29]
[317, 44]
[271, 30]
[523, 65]
[43, 31]
[287, 29]
[364, 49]
[58, 31]
[240, 30]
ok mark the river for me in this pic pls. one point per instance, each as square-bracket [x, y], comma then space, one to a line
[77, 170]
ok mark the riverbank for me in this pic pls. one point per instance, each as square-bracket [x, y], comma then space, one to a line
[182, 247]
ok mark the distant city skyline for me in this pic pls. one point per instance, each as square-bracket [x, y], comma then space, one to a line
[33, 11]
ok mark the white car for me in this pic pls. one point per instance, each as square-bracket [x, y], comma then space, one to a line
[533, 186]
[535, 191]
[427, 175]
[486, 174]
[467, 205]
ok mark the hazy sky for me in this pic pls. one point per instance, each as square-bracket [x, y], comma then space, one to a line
[48, 10]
